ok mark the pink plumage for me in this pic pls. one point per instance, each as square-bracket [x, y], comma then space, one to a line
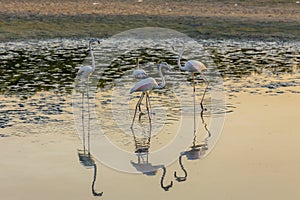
[144, 85]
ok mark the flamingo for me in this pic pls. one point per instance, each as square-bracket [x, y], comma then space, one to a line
[146, 85]
[86, 71]
[139, 73]
[193, 66]
[84, 74]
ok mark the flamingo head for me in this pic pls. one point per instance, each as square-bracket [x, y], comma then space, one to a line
[181, 42]
[164, 64]
[92, 41]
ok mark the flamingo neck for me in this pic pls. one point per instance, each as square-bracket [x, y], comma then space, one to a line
[163, 82]
[179, 58]
[93, 58]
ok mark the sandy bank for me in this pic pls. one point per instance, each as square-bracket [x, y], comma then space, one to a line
[270, 9]
[198, 19]
[257, 157]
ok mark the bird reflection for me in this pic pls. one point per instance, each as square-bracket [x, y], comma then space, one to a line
[86, 158]
[142, 146]
[196, 151]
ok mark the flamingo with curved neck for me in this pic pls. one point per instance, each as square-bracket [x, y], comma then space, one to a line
[193, 66]
[84, 74]
[147, 85]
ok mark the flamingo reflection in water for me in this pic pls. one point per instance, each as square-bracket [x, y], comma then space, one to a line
[196, 151]
[142, 145]
[193, 66]
[87, 160]
[145, 86]
[84, 155]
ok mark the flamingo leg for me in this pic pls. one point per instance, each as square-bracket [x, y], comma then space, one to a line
[89, 116]
[194, 98]
[193, 77]
[150, 104]
[150, 133]
[136, 107]
[147, 106]
[82, 121]
[207, 84]
[140, 110]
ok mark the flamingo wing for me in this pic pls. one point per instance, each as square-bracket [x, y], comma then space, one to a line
[84, 71]
[195, 66]
[144, 85]
[139, 74]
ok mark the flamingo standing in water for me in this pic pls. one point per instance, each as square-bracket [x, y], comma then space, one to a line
[139, 73]
[193, 66]
[146, 85]
[84, 74]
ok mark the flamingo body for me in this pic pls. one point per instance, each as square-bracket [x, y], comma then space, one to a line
[194, 66]
[139, 74]
[144, 85]
[85, 72]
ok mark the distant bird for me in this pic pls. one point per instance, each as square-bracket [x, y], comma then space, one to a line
[193, 66]
[84, 74]
[146, 85]
[139, 73]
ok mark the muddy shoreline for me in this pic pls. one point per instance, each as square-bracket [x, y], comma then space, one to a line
[271, 20]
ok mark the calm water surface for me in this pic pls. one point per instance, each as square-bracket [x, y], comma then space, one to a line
[31, 68]
[38, 83]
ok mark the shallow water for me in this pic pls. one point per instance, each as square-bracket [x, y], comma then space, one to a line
[39, 86]
[39, 77]
[31, 68]
[51, 65]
